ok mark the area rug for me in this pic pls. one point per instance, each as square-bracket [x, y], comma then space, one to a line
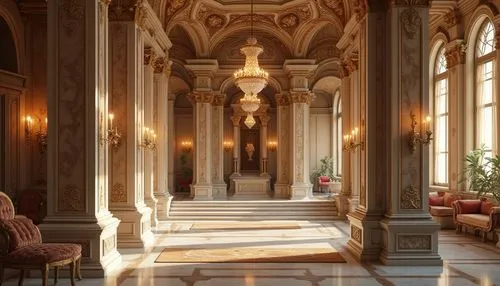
[250, 255]
[244, 226]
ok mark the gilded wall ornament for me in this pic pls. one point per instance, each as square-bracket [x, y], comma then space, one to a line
[414, 242]
[289, 21]
[337, 6]
[71, 199]
[411, 22]
[118, 193]
[452, 18]
[215, 21]
[356, 234]
[411, 198]
[455, 55]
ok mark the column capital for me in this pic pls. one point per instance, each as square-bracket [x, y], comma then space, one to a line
[204, 70]
[301, 97]
[455, 52]
[149, 56]
[105, 2]
[127, 10]
[299, 71]
[236, 120]
[282, 99]
[218, 99]
[162, 65]
[264, 119]
[201, 97]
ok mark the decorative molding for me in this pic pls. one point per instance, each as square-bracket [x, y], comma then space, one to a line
[359, 8]
[283, 99]
[174, 6]
[149, 56]
[71, 199]
[411, 21]
[411, 198]
[301, 97]
[236, 120]
[108, 245]
[413, 3]
[118, 193]
[218, 100]
[159, 65]
[455, 54]
[357, 234]
[257, 18]
[336, 6]
[414, 242]
[201, 97]
[264, 119]
[452, 18]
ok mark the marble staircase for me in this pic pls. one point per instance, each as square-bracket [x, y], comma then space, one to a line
[311, 210]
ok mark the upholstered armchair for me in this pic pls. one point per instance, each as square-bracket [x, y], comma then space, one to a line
[480, 215]
[21, 247]
[323, 184]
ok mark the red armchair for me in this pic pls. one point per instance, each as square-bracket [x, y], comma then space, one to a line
[323, 184]
[21, 247]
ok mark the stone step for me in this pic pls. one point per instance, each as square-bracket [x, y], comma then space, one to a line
[258, 218]
[249, 208]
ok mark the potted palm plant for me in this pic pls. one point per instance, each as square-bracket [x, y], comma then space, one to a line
[326, 169]
[482, 173]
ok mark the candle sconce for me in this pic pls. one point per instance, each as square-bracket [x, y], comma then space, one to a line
[416, 137]
[186, 146]
[149, 139]
[40, 134]
[272, 146]
[228, 146]
[351, 141]
[113, 137]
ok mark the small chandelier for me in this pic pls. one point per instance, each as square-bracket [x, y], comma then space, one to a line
[251, 79]
[249, 121]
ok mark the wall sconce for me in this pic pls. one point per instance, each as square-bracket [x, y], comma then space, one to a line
[113, 137]
[40, 134]
[272, 145]
[415, 137]
[149, 139]
[228, 146]
[351, 141]
[186, 146]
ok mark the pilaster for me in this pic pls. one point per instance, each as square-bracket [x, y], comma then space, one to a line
[171, 144]
[77, 203]
[455, 59]
[409, 235]
[299, 71]
[161, 125]
[149, 123]
[282, 185]
[127, 100]
[219, 186]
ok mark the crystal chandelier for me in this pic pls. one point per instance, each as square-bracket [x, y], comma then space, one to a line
[251, 79]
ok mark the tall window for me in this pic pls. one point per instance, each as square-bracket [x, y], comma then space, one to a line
[441, 120]
[338, 122]
[485, 82]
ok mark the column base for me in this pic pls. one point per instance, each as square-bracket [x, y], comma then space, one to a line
[100, 257]
[366, 235]
[410, 242]
[202, 192]
[219, 190]
[152, 203]
[135, 228]
[301, 191]
[342, 204]
[162, 204]
[281, 191]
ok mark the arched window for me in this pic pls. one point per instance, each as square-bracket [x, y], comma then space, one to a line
[440, 176]
[338, 127]
[485, 87]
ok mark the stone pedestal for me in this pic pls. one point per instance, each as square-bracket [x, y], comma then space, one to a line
[251, 187]
[77, 197]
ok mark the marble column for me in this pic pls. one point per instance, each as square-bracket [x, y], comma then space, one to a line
[282, 185]
[149, 110]
[127, 101]
[219, 186]
[236, 148]
[264, 120]
[298, 71]
[355, 156]
[161, 125]
[171, 144]
[455, 61]
[203, 157]
[392, 222]
[77, 206]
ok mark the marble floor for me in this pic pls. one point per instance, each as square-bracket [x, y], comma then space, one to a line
[467, 261]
